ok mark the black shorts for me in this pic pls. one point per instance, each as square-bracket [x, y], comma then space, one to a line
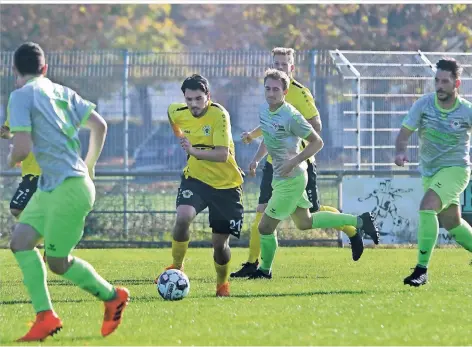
[225, 206]
[311, 187]
[25, 191]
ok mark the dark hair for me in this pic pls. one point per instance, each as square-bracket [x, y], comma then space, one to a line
[29, 59]
[196, 82]
[451, 65]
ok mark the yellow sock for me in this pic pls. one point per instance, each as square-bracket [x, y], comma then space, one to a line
[222, 273]
[255, 240]
[349, 230]
[178, 252]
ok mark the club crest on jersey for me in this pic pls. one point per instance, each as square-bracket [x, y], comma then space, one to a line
[206, 130]
[277, 126]
[456, 124]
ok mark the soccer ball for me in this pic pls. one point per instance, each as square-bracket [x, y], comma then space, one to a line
[173, 285]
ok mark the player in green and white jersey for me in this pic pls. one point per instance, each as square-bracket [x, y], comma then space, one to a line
[444, 122]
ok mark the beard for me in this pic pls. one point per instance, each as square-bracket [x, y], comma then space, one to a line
[443, 96]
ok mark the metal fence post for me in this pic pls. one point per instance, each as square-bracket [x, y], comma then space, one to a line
[125, 142]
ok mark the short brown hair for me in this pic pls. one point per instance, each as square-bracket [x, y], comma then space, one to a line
[278, 76]
[290, 52]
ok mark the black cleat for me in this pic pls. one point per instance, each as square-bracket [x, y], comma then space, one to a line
[369, 227]
[357, 246]
[417, 278]
[259, 274]
[247, 270]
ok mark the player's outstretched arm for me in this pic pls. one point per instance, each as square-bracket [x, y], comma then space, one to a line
[20, 149]
[401, 145]
[98, 132]
[247, 137]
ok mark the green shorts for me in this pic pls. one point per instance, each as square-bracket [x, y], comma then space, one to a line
[287, 195]
[59, 215]
[448, 183]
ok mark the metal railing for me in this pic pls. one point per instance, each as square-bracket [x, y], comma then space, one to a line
[146, 217]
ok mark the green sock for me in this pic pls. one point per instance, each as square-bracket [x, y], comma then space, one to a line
[84, 275]
[428, 230]
[332, 220]
[268, 248]
[34, 278]
[463, 235]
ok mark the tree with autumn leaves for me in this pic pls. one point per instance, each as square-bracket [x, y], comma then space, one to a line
[165, 27]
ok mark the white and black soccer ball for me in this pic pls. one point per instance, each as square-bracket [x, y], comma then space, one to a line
[173, 285]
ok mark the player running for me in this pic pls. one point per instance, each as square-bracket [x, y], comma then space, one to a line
[444, 122]
[300, 97]
[211, 178]
[283, 128]
[45, 117]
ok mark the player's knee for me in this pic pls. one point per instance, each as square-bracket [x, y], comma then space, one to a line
[450, 222]
[264, 228]
[304, 224]
[431, 202]
[220, 242]
[15, 212]
[261, 208]
[23, 238]
[58, 265]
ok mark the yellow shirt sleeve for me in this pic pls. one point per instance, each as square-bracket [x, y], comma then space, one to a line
[305, 104]
[222, 131]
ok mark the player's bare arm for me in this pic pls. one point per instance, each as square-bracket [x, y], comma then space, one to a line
[260, 154]
[247, 137]
[315, 144]
[22, 144]
[219, 154]
[98, 131]
[400, 146]
[315, 122]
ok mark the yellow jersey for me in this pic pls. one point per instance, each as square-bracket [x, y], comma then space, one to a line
[29, 166]
[301, 98]
[206, 132]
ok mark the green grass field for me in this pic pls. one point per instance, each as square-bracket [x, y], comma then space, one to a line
[318, 297]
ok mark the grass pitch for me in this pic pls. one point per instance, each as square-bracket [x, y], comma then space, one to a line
[318, 296]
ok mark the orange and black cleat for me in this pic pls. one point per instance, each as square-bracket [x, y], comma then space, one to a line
[114, 311]
[47, 323]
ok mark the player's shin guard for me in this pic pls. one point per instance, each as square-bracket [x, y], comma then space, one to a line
[34, 278]
[85, 277]
[463, 235]
[255, 240]
[428, 230]
[269, 246]
[349, 230]
[179, 249]
[325, 220]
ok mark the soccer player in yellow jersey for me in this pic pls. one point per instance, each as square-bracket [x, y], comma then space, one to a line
[211, 178]
[301, 98]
